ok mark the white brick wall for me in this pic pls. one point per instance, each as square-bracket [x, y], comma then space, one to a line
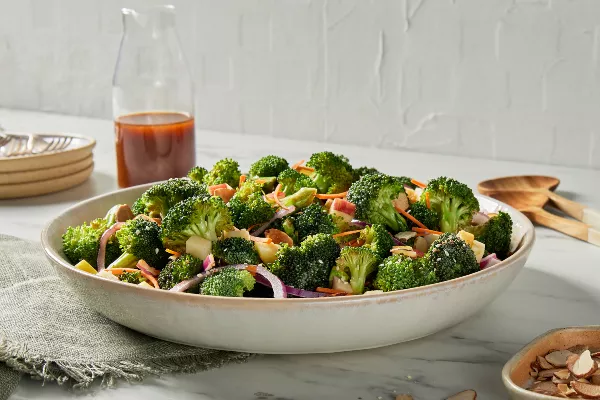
[507, 79]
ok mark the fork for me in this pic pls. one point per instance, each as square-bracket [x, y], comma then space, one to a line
[34, 144]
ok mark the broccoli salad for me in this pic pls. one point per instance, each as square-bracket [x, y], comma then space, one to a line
[315, 229]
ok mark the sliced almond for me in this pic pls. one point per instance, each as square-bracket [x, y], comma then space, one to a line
[548, 388]
[580, 348]
[565, 389]
[404, 397]
[543, 363]
[582, 380]
[558, 358]
[562, 374]
[558, 381]
[464, 395]
[548, 373]
[586, 390]
[583, 366]
[533, 374]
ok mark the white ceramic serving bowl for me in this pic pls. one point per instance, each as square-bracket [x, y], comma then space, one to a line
[259, 325]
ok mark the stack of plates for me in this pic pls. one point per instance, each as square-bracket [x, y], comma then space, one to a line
[34, 175]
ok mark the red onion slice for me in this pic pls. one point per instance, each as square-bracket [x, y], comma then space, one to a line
[188, 283]
[291, 290]
[359, 224]
[208, 262]
[480, 218]
[144, 266]
[489, 261]
[279, 291]
[104, 241]
[278, 215]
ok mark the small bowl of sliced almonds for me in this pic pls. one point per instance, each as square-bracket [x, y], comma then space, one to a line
[563, 363]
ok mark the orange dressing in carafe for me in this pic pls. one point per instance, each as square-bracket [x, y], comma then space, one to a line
[154, 146]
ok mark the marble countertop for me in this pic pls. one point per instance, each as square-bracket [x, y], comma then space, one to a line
[559, 286]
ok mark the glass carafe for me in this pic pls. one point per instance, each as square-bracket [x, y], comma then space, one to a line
[153, 100]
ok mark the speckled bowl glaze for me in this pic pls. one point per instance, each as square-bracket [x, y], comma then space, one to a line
[323, 325]
[515, 374]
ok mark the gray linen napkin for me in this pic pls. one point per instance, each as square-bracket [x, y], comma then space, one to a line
[48, 334]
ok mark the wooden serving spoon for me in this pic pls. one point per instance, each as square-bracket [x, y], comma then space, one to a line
[531, 204]
[543, 185]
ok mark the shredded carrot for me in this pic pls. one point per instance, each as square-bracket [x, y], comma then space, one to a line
[305, 170]
[332, 196]
[299, 163]
[150, 278]
[276, 197]
[119, 271]
[251, 269]
[425, 230]
[242, 180]
[427, 202]
[407, 215]
[175, 253]
[330, 291]
[418, 183]
[260, 180]
[346, 233]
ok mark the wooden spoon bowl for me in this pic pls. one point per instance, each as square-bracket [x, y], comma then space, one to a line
[522, 182]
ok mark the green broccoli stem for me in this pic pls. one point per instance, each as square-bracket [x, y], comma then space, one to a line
[125, 260]
[449, 220]
[392, 218]
[320, 182]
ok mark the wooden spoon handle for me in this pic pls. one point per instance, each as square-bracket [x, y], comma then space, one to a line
[572, 228]
[576, 210]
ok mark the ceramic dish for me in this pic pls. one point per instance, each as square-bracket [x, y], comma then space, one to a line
[515, 374]
[320, 325]
[10, 178]
[47, 186]
[80, 148]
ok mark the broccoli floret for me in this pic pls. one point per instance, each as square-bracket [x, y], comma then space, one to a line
[333, 172]
[354, 265]
[197, 174]
[292, 181]
[378, 239]
[140, 240]
[307, 266]
[254, 210]
[159, 198]
[132, 277]
[248, 188]
[268, 166]
[373, 195]
[359, 172]
[235, 250]
[450, 257]
[495, 234]
[203, 216]
[453, 201]
[302, 198]
[400, 272]
[224, 171]
[406, 181]
[229, 282]
[312, 220]
[424, 215]
[83, 242]
[178, 270]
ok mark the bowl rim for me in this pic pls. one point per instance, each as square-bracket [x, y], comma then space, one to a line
[512, 362]
[523, 249]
